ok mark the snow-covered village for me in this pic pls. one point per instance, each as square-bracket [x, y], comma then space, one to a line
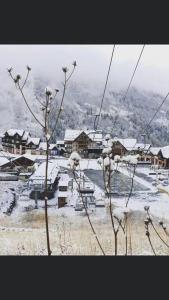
[81, 188]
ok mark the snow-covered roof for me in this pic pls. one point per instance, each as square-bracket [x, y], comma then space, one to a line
[26, 135]
[72, 134]
[42, 146]
[95, 135]
[142, 146]
[165, 151]
[60, 142]
[27, 156]
[51, 146]
[129, 144]
[34, 141]
[62, 194]
[12, 132]
[155, 150]
[3, 161]
[39, 176]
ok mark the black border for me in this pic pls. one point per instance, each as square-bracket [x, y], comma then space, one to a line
[41, 23]
[84, 23]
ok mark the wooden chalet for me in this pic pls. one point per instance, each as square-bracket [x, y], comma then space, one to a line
[14, 141]
[37, 181]
[86, 143]
[21, 163]
[53, 149]
[163, 157]
[123, 146]
[32, 143]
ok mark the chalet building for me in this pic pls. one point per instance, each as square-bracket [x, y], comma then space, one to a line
[158, 156]
[123, 146]
[37, 181]
[151, 155]
[21, 163]
[60, 144]
[141, 148]
[86, 143]
[163, 157]
[14, 141]
[53, 149]
[32, 143]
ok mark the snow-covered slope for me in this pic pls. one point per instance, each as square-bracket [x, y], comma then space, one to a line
[81, 103]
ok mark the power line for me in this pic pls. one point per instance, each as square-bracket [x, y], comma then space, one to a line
[101, 105]
[145, 131]
[158, 109]
[132, 77]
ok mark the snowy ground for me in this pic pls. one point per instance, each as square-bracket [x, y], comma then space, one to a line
[150, 195]
[29, 227]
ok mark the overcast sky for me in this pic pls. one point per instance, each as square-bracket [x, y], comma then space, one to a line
[93, 61]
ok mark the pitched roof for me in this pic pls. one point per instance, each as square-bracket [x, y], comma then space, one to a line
[142, 146]
[39, 176]
[26, 156]
[51, 146]
[34, 141]
[42, 146]
[12, 132]
[165, 151]
[72, 134]
[26, 135]
[155, 150]
[60, 142]
[3, 161]
[129, 144]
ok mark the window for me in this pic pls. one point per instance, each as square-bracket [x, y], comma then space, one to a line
[62, 188]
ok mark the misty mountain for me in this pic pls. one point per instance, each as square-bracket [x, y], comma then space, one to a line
[82, 102]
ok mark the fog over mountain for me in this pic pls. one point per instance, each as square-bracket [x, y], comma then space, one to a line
[81, 102]
[85, 89]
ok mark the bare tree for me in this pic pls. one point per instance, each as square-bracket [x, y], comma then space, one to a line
[46, 109]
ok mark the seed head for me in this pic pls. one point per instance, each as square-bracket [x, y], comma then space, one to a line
[74, 64]
[10, 70]
[147, 233]
[48, 91]
[65, 69]
[28, 68]
[146, 208]
[164, 227]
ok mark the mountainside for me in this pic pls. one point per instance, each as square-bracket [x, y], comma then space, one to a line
[82, 101]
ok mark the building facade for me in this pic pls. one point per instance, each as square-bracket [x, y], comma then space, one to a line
[14, 141]
[86, 143]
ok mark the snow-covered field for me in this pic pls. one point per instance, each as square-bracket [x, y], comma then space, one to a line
[28, 227]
